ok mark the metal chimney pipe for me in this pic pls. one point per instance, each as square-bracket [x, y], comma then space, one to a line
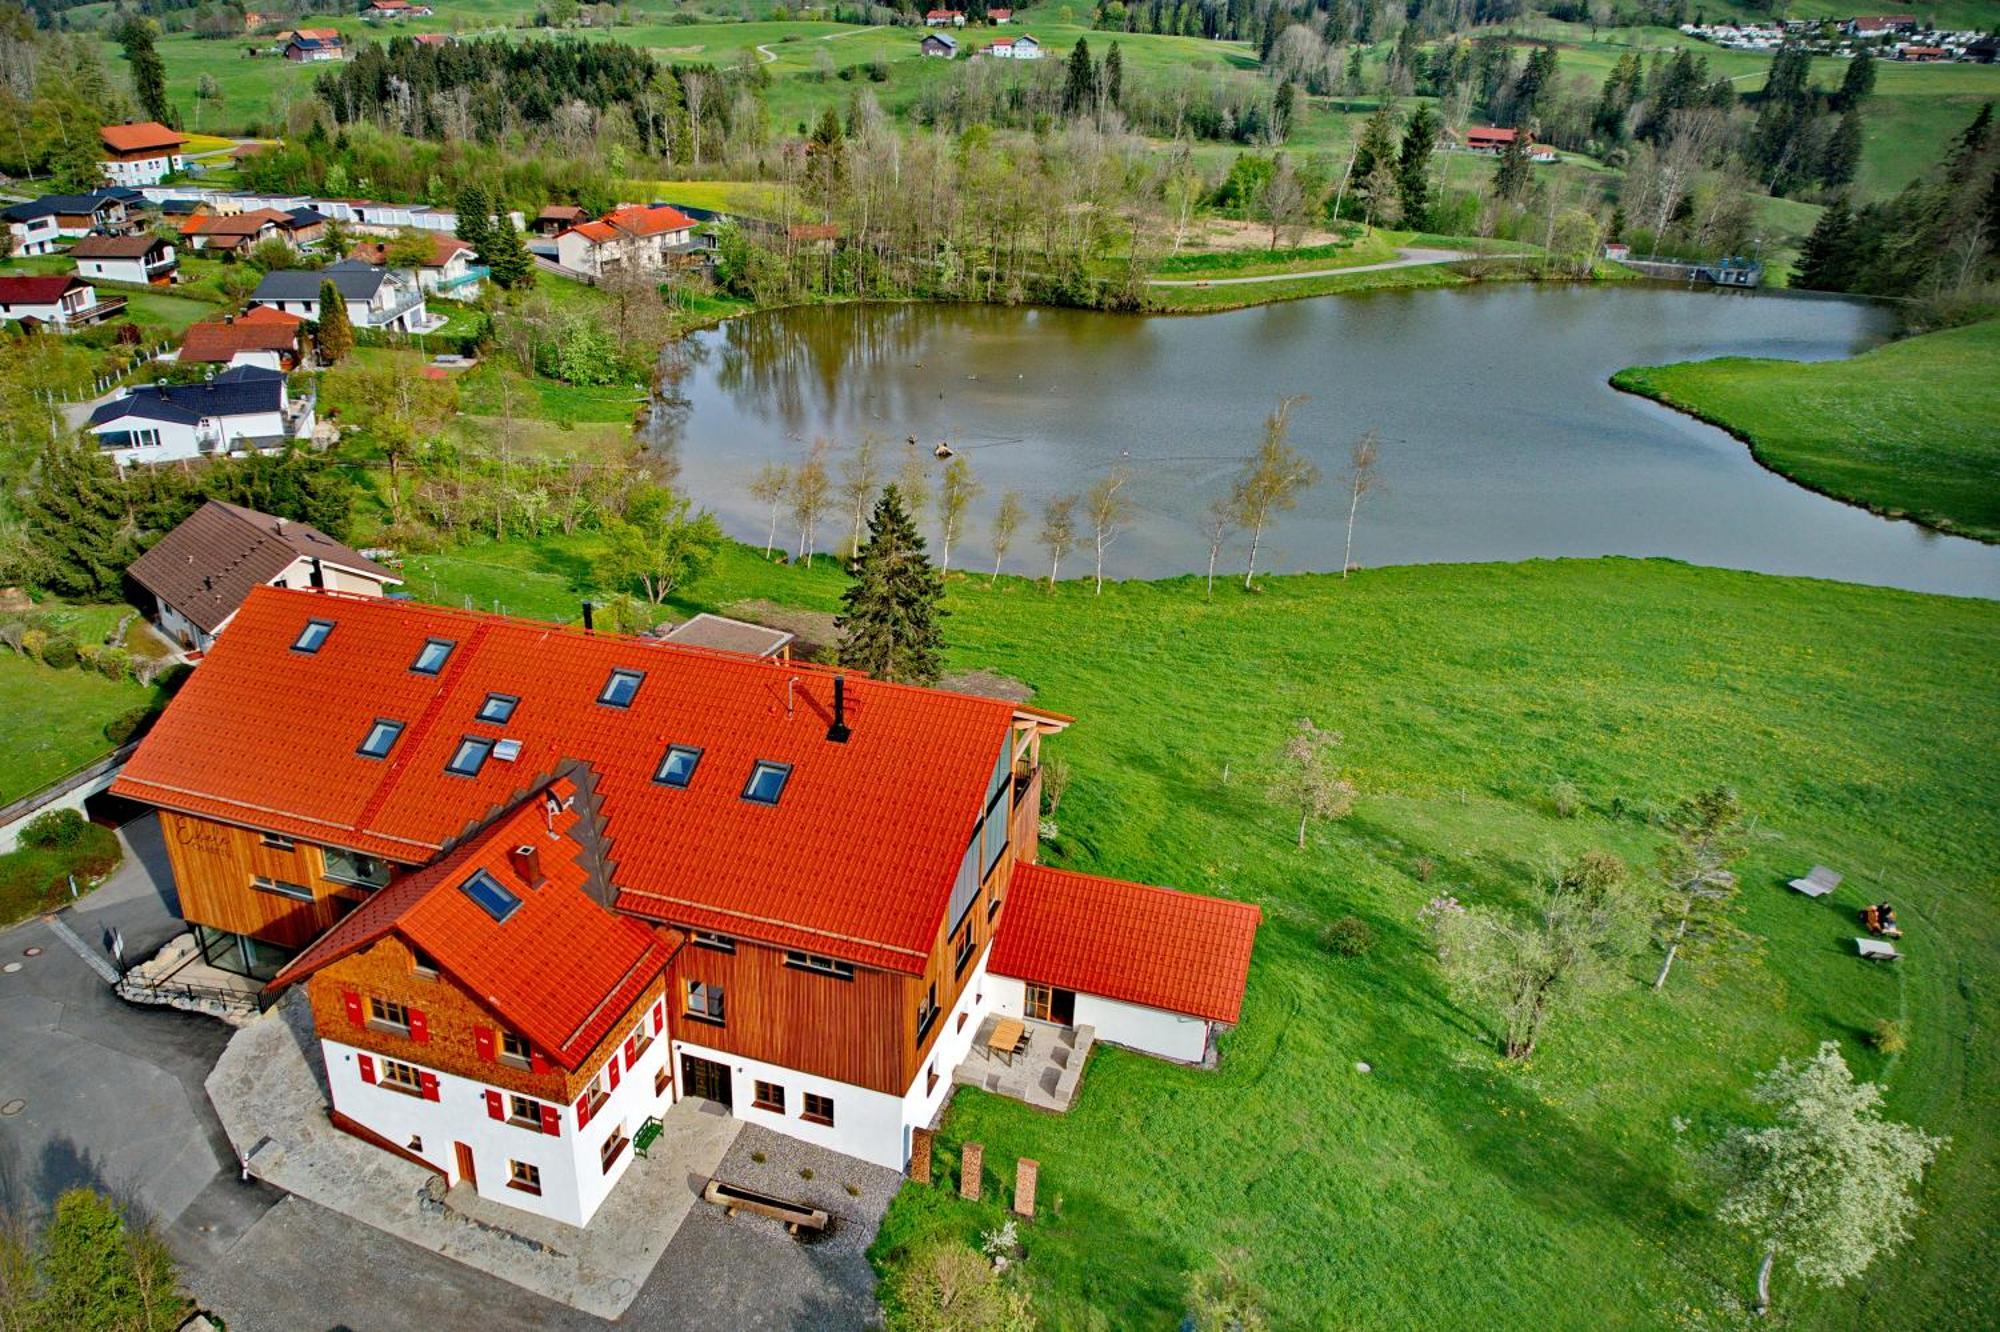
[838, 732]
[589, 625]
[318, 574]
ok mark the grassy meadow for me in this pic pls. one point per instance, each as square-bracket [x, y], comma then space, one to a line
[1445, 1187]
[1907, 429]
[56, 720]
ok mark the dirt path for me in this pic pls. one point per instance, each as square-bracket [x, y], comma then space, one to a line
[1406, 258]
[768, 55]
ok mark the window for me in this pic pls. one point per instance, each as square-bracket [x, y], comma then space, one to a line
[621, 688]
[614, 1146]
[930, 1078]
[381, 738]
[927, 1013]
[403, 1077]
[767, 782]
[495, 899]
[964, 954]
[313, 636]
[514, 1050]
[277, 843]
[498, 708]
[298, 892]
[721, 943]
[388, 1014]
[819, 1109]
[432, 656]
[637, 1044]
[423, 964]
[993, 906]
[352, 867]
[704, 1002]
[524, 1112]
[770, 1096]
[825, 966]
[471, 756]
[961, 1021]
[525, 1177]
[677, 767]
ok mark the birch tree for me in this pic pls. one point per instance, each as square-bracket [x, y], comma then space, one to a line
[1271, 480]
[769, 487]
[1698, 898]
[1108, 508]
[957, 490]
[1006, 522]
[860, 477]
[1363, 459]
[1309, 779]
[1830, 1185]
[811, 489]
[1218, 524]
[1058, 534]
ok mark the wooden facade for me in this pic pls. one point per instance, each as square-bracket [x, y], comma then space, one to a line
[216, 868]
[450, 1031]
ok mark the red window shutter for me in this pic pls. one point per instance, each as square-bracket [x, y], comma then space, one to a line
[631, 1050]
[537, 1062]
[612, 1064]
[430, 1084]
[367, 1068]
[583, 1110]
[352, 1001]
[420, 1027]
[482, 1038]
[552, 1121]
[659, 1017]
[494, 1110]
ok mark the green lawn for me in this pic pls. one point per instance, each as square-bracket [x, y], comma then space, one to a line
[1907, 429]
[55, 719]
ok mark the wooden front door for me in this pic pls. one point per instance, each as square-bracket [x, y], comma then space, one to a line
[705, 1078]
[465, 1170]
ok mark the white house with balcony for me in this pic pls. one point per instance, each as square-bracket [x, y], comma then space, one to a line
[247, 409]
[59, 302]
[378, 298]
[141, 260]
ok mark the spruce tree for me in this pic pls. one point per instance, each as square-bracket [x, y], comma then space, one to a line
[1826, 258]
[891, 623]
[475, 218]
[149, 72]
[1858, 82]
[1512, 177]
[336, 332]
[1414, 165]
[76, 522]
[1843, 151]
[1283, 108]
[1114, 76]
[1080, 86]
[508, 257]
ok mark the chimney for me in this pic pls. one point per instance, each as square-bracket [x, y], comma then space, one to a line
[588, 624]
[838, 732]
[526, 861]
[318, 574]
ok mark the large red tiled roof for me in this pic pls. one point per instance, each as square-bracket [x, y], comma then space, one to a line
[217, 342]
[560, 970]
[35, 290]
[443, 248]
[136, 138]
[1127, 941]
[635, 221]
[856, 860]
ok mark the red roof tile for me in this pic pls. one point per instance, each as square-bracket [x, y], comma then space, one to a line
[217, 343]
[136, 138]
[635, 221]
[35, 290]
[560, 969]
[857, 858]
[443, 249]
[1153, 946]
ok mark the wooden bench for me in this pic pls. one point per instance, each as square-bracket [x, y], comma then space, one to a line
[733, 1198]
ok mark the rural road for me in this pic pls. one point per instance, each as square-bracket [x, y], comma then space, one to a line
[1406, 259]
[768, 55]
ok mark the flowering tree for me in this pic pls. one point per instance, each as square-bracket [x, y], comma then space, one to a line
[1308, 779]
[1829, 1185]
[1698, 904]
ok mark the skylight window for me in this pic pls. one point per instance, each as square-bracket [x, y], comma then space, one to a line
[498, 708]
[381, 738]
[767, 782]
[432, 658]
[491, 894]
[312, 635]
[677, 768]
[621, 688]
[471, 756]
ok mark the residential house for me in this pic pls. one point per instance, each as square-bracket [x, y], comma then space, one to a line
[1922, 54]
[60, 302]
[74, 214]
[141, 154]
[555, 862]
[941, 45]
[303, 227]
[999, 16]
[235, 233]
[630, 236]
[1879, 25]
[376, 297]
[434, 39]
[449, 272]
[557, 218]
[944, 18]
[198, 575]
[311, 46]
[260, 336]
[1023, 47]
[143, 259]
[34, 230]
[243, 410]
[395, 9]
[1488, 139]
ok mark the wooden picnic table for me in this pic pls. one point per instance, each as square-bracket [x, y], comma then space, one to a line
[1008, 1036]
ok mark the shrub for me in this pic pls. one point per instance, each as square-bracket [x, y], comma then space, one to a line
[56, 830]
[1888, 1037]
[129, 725]
[114, 663]
[59, 653]
[1425, 868]
[1350, 936]
[1566, 799]
[33, 641]
[87, 655]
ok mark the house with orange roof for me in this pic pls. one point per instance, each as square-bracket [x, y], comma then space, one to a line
[449, 271]
[394, 9]
[259, 336]
[144, 153]
[235, 232]
[543, 882]
[645, 237]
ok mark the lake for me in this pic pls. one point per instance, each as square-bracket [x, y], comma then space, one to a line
[1501, 439]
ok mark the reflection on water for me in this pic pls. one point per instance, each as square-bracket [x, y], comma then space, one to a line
[1501, 438]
